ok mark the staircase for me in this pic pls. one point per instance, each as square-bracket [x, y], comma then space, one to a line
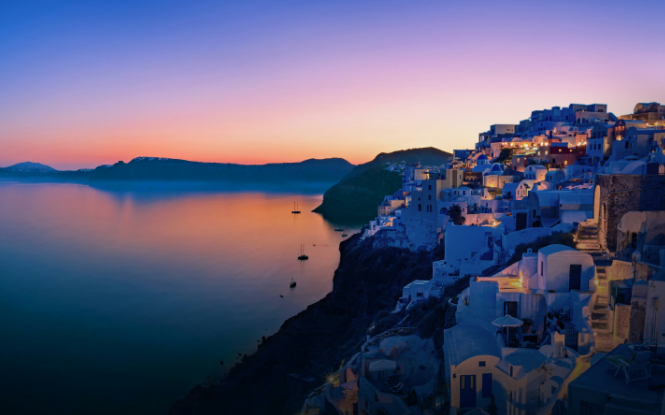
[587, 239]
[600, 313]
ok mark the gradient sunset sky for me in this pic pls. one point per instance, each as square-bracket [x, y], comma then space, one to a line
[84, 83]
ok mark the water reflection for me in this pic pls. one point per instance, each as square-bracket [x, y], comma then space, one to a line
[119, 302]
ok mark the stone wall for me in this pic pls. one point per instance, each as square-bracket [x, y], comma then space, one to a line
[622, 324]
[638, 312]
[620, 194]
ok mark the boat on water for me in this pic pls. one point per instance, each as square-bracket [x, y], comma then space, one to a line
[339, 229]
[295, 210]
[344, 235]
[301, 253]
[292, 284]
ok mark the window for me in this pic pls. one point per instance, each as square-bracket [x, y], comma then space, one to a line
[482, 363]
[511, 374]
[420, 207]
[430, 187]
[542, 264]
[487, 385]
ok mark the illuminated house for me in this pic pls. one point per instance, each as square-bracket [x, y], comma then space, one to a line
[551, 289]
[535, 172]
[638, 142]
[651, 113]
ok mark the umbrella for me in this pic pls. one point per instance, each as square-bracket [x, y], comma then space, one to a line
[380, 365]
[507, 321]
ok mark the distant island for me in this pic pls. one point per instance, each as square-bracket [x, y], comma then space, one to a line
[155, 171]
[355, 198]
[30, 167]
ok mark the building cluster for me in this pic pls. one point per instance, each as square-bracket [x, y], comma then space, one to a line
[556, 226]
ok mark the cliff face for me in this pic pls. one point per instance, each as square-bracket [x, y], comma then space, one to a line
[354, 199]
[314, 342]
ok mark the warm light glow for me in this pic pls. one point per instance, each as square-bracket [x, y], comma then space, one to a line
[230, 82]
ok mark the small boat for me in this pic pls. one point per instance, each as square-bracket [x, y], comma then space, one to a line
[280, 296]
[344, 235]
[301, 253]
[295, 210]
[292, 284]
[339, 229]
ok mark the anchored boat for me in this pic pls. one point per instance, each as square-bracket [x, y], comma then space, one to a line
[295, 210]
[301, 254]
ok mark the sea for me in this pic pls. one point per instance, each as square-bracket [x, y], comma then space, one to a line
[119, 302]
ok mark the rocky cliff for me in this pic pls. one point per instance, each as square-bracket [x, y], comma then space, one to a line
[276, 379]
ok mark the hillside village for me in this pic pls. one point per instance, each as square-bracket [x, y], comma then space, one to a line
[554, 239]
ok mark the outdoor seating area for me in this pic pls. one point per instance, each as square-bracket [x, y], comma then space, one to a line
[636, 367]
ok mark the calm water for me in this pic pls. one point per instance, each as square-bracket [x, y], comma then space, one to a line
[120, 302]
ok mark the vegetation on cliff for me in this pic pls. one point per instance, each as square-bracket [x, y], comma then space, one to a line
[355, 198]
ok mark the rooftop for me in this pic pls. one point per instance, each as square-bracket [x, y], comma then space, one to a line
[526, 359]
[469, 340]
[600, 378]
[553, 249]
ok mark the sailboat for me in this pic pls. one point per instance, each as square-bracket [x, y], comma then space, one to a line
[292, 284]
[301, 253]
[340, 229]
[295, 208]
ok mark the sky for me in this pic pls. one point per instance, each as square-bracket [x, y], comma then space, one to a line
[87, 83]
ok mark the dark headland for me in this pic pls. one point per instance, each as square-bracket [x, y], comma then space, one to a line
[354, 199]
[150, 172]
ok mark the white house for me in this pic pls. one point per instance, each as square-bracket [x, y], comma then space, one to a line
[471, 353]
[555, 176]
[522, 190]
[535, 172]
[562, 269]
[557, 279]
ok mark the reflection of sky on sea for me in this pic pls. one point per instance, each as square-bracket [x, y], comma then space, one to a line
[131, 298]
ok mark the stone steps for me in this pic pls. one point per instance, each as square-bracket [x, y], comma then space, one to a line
[598, 317]
[599, 325]
[604, 342]
[588, 246]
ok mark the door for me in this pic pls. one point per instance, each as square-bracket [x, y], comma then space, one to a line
[571, 338]
[510, 308]
[467, 392]
[520, 221]
[575, 277]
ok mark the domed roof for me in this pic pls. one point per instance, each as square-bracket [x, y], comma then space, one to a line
[497, 167]
[482, 157]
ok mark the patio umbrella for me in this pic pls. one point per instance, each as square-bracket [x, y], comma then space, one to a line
[380, 365]
[507, 321]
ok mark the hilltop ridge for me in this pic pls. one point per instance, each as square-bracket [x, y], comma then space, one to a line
[354, 198]
[142, 171]
[29, 166]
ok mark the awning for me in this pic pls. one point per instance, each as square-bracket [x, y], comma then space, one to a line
[380, 365]
[507, 321]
